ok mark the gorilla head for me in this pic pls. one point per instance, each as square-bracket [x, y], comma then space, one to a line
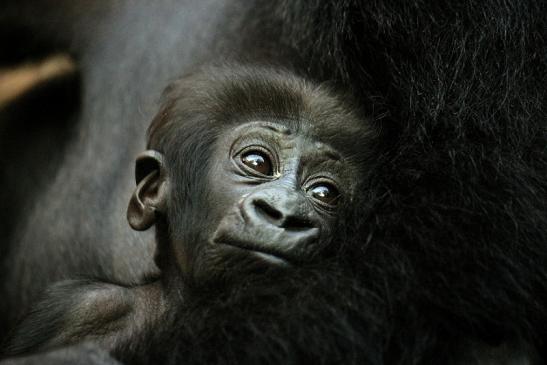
[247, 170]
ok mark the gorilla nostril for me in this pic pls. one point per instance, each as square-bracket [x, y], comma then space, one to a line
[297, 224]
[286, 220]
[267, 211]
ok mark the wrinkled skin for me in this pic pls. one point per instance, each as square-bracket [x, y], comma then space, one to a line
[280, 217]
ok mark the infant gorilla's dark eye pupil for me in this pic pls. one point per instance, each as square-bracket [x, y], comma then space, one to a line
[325, 193]
[258, 161]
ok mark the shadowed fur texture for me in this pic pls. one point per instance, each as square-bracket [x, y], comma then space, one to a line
[309, 315]
[457, 231]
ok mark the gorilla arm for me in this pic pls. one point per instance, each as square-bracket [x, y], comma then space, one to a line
[73, 312]
[86, 354]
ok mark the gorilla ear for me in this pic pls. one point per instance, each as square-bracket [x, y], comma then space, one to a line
[150, 196]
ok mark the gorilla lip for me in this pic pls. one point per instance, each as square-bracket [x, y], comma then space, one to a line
[244, 240]
[269, 255]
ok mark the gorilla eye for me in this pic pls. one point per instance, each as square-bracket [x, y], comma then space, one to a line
[258, 161]
[325, 193]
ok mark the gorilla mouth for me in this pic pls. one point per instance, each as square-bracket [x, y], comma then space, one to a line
[275, 246]
[261, 250]
[271, 256]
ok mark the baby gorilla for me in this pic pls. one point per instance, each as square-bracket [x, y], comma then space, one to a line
[246, 171]
[252, 179]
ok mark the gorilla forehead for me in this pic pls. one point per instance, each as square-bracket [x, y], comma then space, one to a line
[217, 97]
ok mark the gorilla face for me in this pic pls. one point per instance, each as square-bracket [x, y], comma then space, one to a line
[274, 190]
[249, 170]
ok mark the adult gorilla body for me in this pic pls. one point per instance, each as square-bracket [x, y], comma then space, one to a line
[456, 235]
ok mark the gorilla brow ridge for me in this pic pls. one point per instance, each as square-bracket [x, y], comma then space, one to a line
[229, 93]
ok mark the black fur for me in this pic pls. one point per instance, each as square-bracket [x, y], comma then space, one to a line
[457, 232]
[307, 316]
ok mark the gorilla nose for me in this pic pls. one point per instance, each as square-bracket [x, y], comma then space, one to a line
[276, 222]
[283, 210]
